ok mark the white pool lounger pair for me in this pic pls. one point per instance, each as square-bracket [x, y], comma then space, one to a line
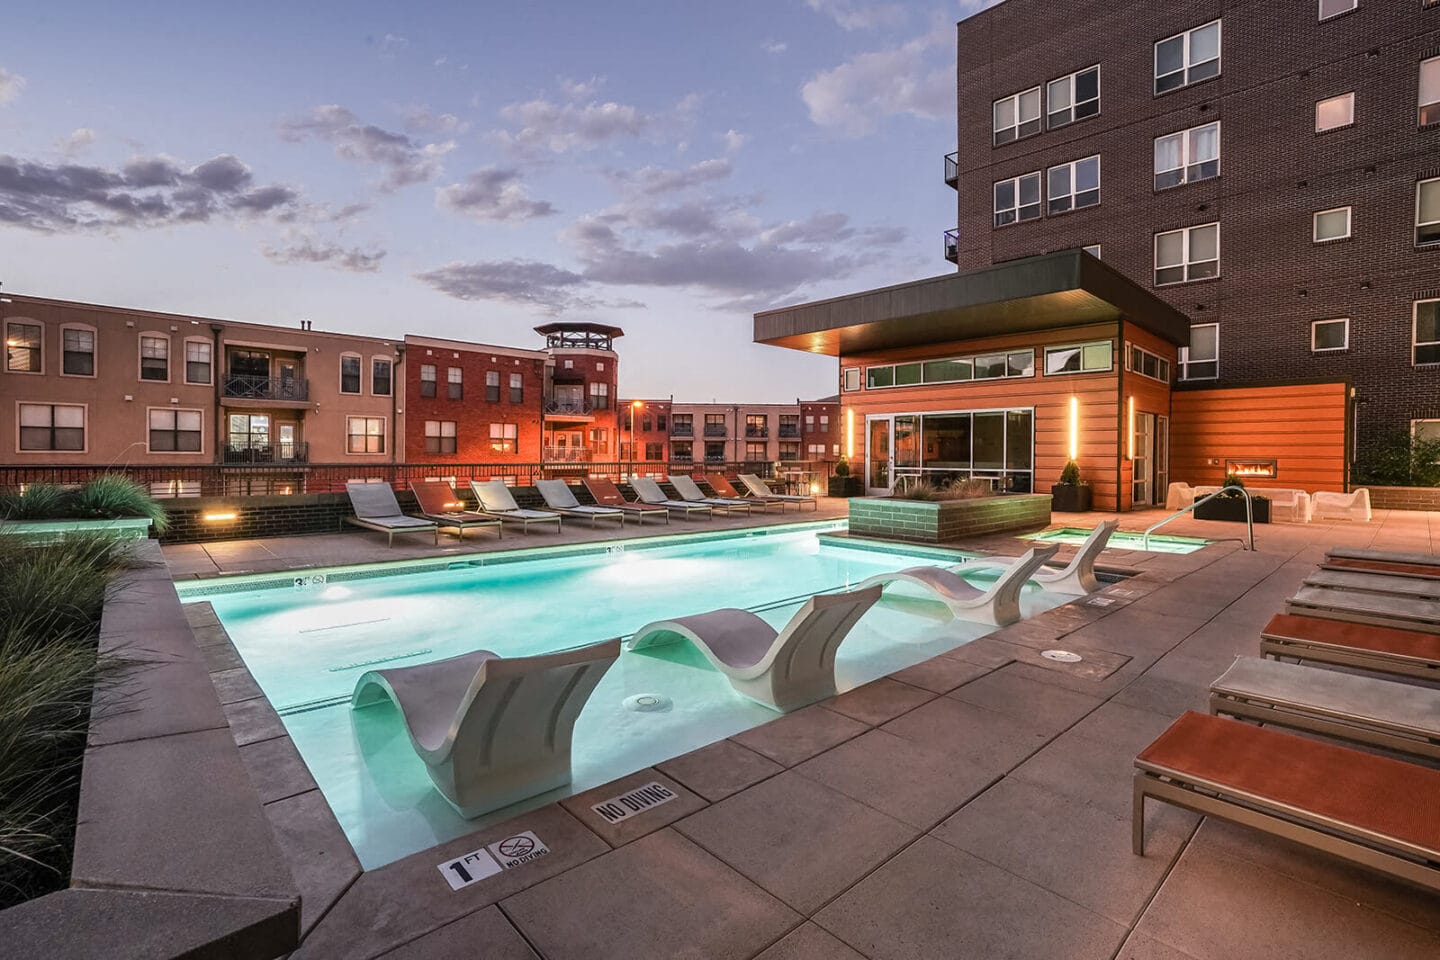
[1076, 578]
[1000, 605]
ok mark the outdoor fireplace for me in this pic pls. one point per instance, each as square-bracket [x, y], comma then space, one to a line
[1251, 469]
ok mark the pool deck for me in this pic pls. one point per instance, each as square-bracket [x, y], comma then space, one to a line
[977, 804]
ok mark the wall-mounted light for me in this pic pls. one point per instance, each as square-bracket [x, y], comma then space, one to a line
[849, 434]
[1130, 440]
[219, 517]
[1074, 428]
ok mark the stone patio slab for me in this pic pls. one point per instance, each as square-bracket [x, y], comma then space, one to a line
[315, 848]
[940, 674]
[276, 769]
[720, 769]
[483, 934]
[994, 741]
[879, 701]
[799, 736]
[254, 720]
[810, 942]
[639, 824]
[1007, 692]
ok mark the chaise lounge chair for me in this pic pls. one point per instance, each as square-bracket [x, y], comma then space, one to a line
[649, 492]
[1334, 799]
[1420, 571]
[690, 492]
[1383, 556]
[1076, 578]
[1405, 653]
[560, 498]
[1398, 716]
[1406, 613]
[497, 501]
[1327, 505]
[785, 670]
[999, 605]
[492, 730]
[376, 508]
[759, 488]
[440, 505]
[1370, 582]
[724, 488]
[608, 495]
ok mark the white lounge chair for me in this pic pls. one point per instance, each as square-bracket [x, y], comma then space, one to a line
[496, 500]
[1179, 495]
[560, 498]
[649, 492]
[785, 670]
[1327, 505]
[376, 508]
[760, 489]
[1076, 578]
[1406, 613]
[492, 730]
[999, 605]
[690, 492]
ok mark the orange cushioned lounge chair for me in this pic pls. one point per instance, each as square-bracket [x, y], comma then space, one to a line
[606, 494]
[1407, 653]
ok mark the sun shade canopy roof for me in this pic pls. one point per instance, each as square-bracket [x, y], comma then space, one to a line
[1052, 291]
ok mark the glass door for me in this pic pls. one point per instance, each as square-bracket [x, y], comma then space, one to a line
[1162, 457]
[877, 456]
[1142, 485]
[287, 434]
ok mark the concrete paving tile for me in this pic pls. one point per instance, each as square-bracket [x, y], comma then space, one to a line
[638, 823]
[409, 898]
[936, 901]
[993, 741]
[1218, 907]
[253, 720]
[1129, 727]
[916, 783]
[783, 833]
[483, 934]
[878, 701]
[232, 686]
[1096, 771]
[1069, 847]
[1141, 947]
[809, 942]
[221, 656]
[798, 736]
[158, 697]
[276, 769]
[940, 674]
[661, 896]
[314, 846]
[720, 769]
[987, 651]
[1168, 698]
[209, 634]
[1005, 691]
[1094, 666]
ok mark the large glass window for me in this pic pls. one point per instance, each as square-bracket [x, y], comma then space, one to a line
[1427, 212]
[52, 426]
[1187, 156]
[23, 347]
[364, 434]
[1017, 116]
[504, 437]
[77, 357]
[1074, 185]
[440, 436]
[1201, 359]
[993, 366]
[948, 446]
[154, 357]
[600, 396]
[1187, 57]
[175, 431]
[757, 425]
[1017, 199]
[249, 431]
[1427, 331]
[1189, 254]
[1081, 358]
[1073, 98]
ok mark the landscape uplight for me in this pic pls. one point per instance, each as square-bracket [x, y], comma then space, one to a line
[219, 517]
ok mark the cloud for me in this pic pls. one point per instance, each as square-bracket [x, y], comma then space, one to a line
[148, 191]
[525, 282]
[76, 142]
[854, 15]
[303, 249]
[492, 194]
[734, 140]
[11, 84]
[425, 120]
[818, 229]
[405, 161]
[542, 125]
[915, 78]
[774, 47]
[657, 180]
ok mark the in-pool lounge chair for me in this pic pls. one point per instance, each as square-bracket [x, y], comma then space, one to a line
[786, 670]
[440, 505]
[690, 492]
[1351, 804]
[1405, 653]
[560, 498]
[1076, 578]
[1366, 581]
[376, 508]
[999, 605]
[649, 492]
[497, 501]
[492, 730]
[1398, 716]
[608, 495]
[759, 488]
[724, 488]
[1406, 613]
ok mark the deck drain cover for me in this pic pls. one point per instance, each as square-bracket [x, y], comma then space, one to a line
[1061, 656]
[647, 703]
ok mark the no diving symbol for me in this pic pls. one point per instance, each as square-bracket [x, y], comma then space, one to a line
[517, 846]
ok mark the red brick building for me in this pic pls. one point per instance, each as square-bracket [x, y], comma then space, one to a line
[472, 402]
[581, 391]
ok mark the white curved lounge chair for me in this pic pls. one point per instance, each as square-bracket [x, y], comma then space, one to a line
[492, 730]
[999, 605]
[1076, 578]
[785, 670]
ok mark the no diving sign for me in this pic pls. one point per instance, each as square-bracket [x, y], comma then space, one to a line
[488, 861]
[636, 801]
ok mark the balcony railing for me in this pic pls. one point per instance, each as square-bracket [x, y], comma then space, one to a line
[952, 246]
[757, 433]
[577, 407]
[682, 430]
[257, 452]
[714, 429]
[568, 454]
[952, 169]
[265, 388]
[790, 432]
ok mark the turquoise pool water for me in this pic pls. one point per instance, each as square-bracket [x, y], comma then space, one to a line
[1122, 540]
[307, 644]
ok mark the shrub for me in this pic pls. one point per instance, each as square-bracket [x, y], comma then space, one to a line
[955, 490]
[1400, 460]
[1070, 476]
[842, 467]
[109, 496]
[39, 501]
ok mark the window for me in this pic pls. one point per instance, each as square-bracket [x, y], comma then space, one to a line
[569, 364]
[1187, 58]
[455, 385]
[755, 452]
[1017, 116]
[380, 377]
[714, 451]
[600, 439]
[1074, 185]
[654, 451]
[1427, 331]
[517, 388]
[816, 451]
[789, 424]
[824, 424]
[77, 352]
[600, 396]
[1147, 364]
[1429, 91]
[1081, 358]
[646, 423]
[197, 361]
[990, 366]
[1201, 360]
[1073, 98]
[1425, 430]
[1189, 254]
[52, 426]
[1017, 199]
[1329, 335]
[757, 425]
[492, 385]
[660, 421]
[1335, 112]
[1093, 250]
[23, 347]
[503, 437]
[1333, 8]
[682, 449]
[175, 431]
[809, 424]
[249, 431]
[154, 357]
[440, 436]
[1187, 156]
[349, 373]
[364, 434]
[683, 424]
[1331, 225]
[1427, 212]
[427, 380]
[851, 377]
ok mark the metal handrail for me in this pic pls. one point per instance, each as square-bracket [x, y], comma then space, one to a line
[1249, 516]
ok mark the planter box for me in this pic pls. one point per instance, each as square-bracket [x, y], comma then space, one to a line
[1071, 498]
[936, 521]
[125, 528]
[846, 487]
[1233, 510]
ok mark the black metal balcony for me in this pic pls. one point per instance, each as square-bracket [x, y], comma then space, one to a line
[757, 433]
[952, 246]
[682, 430]
[261, 452]
[789, 432]
[266, 388]
[576, 407]
[714, 429]
[952, 170]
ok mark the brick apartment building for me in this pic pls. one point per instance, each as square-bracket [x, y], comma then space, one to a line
[675, 431]
[473, 403]
[581, 414]
[1272, 170]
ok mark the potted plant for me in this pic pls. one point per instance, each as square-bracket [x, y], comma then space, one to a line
[1071, 494]
[842, 484]
[1230, 505]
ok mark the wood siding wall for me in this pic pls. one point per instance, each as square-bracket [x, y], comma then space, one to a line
[1151, 396]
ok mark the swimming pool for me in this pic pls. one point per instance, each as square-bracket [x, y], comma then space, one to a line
[1122, 540]
[308, 638]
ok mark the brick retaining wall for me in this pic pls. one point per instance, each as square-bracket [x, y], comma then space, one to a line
[936, 521]
[1404, 498]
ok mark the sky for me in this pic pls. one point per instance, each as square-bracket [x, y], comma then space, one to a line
[470, 170]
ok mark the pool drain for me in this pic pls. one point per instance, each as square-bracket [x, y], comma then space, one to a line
[1061, 656]
[647, 703]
